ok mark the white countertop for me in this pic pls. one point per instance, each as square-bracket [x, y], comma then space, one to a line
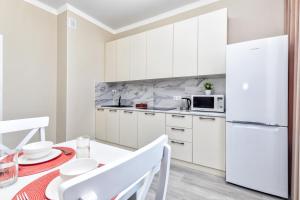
[176, 111]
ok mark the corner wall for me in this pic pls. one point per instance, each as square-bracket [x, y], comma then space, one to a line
[81, 64]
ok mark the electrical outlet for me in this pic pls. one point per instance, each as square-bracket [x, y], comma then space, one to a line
[176, 98]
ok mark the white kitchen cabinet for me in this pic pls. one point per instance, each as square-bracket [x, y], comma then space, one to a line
[138, 56]
[209, 142]
[180, 134]
[101, 124]
[212, 41]
[150, 126]
[185, 48]
[110, 61]
[177, 120]
[123, 59]
[112, 126]
[129, 128]
[181, 150]
[160, 52]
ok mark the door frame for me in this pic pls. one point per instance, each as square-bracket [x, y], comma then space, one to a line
[1, 81]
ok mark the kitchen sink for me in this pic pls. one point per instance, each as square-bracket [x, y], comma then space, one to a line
[117, 106]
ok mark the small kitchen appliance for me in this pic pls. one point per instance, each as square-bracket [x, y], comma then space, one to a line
[208, 103]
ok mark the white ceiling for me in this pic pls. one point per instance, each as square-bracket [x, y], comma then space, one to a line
[120, 13]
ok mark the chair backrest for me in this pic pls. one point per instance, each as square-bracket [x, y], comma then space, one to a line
[125, 177]
[32, 124]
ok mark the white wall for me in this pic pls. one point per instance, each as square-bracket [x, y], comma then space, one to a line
[85, 65]
[29, 64]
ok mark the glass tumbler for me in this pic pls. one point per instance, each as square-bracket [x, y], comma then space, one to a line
[83, 147]
[8, 168]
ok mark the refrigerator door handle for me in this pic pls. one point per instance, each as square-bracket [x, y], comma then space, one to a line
[254, 123]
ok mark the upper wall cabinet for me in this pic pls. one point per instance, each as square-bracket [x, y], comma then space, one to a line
[160, 52]
[185, 48]
[212, 41]
[123, 59]
[110, 61]
[138, 56]
[193, 47]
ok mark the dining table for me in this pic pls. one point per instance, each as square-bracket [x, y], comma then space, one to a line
[103, 153]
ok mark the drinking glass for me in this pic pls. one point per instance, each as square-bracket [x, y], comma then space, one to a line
[83, 147]
[8, 168]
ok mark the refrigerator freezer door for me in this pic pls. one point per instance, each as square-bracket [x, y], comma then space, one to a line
[257, 81]
[257, 157]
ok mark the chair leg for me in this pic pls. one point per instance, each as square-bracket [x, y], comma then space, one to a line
[42, 132]
[164, 174]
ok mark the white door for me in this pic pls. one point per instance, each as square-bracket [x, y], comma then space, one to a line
[110, 61]
[185, 48]
[150, 127]
[256, 157]
[129, 128]
[257, 81]
[212, 41]
[160, 52]
[123, 59]
[1, 81]
[138, 57]
[101, 124]
[209, 142]
[112, 126]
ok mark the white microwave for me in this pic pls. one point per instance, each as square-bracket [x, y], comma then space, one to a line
[208, 103]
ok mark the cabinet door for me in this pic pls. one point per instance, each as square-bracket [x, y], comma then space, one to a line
[150, 127]
[138, 56]
[160, 52]
[112, 126]
[123, 59]
[209, 142]
[212, 41]
[110, 61]
[185, 48]
[128, 128]
[101, 124]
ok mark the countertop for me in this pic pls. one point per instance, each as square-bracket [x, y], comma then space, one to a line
[175, 111]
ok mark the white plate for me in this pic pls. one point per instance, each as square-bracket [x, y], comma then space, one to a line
[52, 189]
[53, 154]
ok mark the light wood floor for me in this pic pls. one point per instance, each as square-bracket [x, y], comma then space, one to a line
[188, 184]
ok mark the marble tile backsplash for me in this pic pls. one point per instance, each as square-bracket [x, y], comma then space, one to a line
[158, 93]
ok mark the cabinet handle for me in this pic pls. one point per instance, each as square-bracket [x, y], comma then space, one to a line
[207, 118]
[178, 129]
[128, 112]
[180, 143]
[150, 114]
[112, 110]
[178, 116]
[100, 109]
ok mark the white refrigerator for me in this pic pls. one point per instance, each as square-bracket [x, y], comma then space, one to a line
[257, 114]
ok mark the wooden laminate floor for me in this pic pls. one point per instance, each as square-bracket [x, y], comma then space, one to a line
[189, 184]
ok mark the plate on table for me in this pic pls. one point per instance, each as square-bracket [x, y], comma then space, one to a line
[53, 154]
[52, 189]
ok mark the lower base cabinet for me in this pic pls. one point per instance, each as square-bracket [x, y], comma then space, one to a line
[181, 150]
[209, 142]
[112, 126]
[195, 139]
[129, 128]
[101, 124]
[150, 126]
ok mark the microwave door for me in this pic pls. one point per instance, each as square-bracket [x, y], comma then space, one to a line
[204, 103]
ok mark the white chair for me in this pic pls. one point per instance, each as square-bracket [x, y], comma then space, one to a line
[124, 178]
[32, 124]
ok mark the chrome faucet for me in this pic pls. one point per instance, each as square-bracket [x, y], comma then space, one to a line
[119, 102]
